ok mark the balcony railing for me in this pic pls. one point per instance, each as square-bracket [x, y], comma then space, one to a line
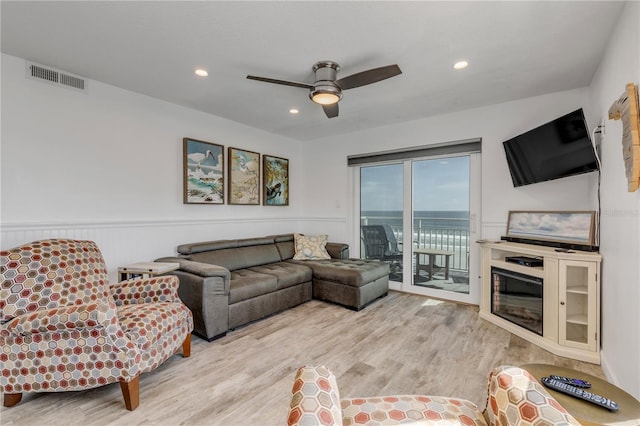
[427, 233]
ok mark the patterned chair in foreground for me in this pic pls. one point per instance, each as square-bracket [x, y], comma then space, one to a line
[515, 398]
[63, 328]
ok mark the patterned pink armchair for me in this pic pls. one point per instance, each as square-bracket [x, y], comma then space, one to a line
[63, 328]
[515, 398]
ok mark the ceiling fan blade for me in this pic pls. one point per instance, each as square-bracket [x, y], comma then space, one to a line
[367, 77]
[283, 82]
[331, 110]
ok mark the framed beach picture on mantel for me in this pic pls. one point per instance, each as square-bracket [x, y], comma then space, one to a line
[575, 227]
[275, 181]
[244, 177]
[203, 172]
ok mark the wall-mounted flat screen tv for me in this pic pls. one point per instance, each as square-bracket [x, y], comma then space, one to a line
[554, 150]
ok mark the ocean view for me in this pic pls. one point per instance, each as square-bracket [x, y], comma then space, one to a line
[458, 220]
[447, 230]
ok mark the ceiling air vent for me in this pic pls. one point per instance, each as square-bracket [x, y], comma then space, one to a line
[55, 77]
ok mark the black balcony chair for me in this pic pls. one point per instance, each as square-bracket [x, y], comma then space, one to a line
[394, 245]
[377, 246]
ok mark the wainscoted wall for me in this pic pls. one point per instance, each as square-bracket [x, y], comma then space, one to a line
[107, 165]
[123, 242]
[115, 156]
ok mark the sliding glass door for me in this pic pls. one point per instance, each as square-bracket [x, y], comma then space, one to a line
[419, 216]
[381, 215]
[440, 201]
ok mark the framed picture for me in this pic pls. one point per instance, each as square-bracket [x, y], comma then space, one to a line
[244, 177]
[275, 181]
[203, 170]
[576, 227]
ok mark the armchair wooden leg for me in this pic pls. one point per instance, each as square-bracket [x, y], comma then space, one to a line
[11, 399]
[186, 346]
[131, 393]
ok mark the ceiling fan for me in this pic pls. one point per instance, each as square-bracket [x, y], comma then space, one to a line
[327, 89]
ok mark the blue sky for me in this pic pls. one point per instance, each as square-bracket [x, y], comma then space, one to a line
[439, 184]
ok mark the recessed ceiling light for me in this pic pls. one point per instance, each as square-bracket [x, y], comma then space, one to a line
[201, 72]
[293, 111]
[460, 65]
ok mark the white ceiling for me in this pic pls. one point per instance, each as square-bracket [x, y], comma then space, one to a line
[515, 50]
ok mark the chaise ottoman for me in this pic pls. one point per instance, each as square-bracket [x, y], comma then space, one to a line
[353, 283]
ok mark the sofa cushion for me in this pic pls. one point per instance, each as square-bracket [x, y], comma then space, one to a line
[338, 250]
[246, 284]
[200, 247]
[147, 323]
[310, 247]
[413, 409]
[240, 257]
[285, 245]
[353, 272]
[258, 241]
[281, 237]
[192, 248]
[288, 274]
[286, 249]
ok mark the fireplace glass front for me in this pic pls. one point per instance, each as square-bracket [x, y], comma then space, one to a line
[517, 298]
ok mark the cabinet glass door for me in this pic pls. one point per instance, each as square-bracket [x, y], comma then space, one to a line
[578, 306]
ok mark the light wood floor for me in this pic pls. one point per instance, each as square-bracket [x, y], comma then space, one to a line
[402, 344]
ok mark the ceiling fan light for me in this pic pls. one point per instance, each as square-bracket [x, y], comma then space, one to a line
[325, 93]
[325, 98]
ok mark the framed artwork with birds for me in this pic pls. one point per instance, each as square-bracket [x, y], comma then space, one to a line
[275, 181]
[203, 169]
[244, 177]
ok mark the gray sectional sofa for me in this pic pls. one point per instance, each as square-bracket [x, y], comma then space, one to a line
[229, 283]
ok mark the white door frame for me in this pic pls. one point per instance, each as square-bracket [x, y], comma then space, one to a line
[473, 297]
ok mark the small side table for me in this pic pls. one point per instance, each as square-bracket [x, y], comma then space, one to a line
[432, 253]
[145, 269]
[585, 412]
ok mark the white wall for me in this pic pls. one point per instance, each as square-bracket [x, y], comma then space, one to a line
[326, 160]
[620, 222]
[107, 165]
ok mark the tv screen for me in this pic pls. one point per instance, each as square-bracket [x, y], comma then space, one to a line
[557, 149]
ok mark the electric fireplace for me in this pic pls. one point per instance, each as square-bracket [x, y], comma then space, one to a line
[517, 298]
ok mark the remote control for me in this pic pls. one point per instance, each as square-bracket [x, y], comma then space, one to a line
[571, 381]
[561, 386]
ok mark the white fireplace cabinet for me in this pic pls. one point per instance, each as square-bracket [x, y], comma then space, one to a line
[570, 302]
